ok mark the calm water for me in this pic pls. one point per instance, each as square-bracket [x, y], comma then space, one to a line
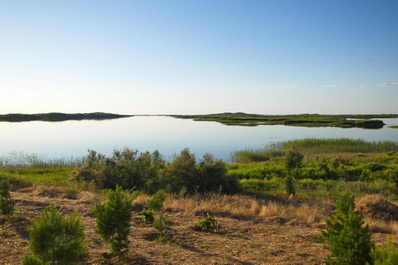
[168, 135]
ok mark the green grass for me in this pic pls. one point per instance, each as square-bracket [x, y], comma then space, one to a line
[314, 146]
[255, 155]
[332, 145]
[319, 188]
[30, 176]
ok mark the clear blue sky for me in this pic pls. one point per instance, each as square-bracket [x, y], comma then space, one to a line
[183, 57]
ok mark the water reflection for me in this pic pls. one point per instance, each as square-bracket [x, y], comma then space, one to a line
[168, 135]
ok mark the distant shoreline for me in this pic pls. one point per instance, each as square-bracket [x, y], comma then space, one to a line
[57, 116]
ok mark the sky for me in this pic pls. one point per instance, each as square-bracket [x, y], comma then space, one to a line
[198, 57]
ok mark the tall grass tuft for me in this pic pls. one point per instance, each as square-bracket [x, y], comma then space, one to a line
[23, 160]
[255, 155]
[315, 145]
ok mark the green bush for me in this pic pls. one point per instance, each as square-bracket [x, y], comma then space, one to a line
[182, 173]
[7, 204]
[386, 254]
[156, 202]
[208, 224]
[160, 224]
[32, 260]
[126, 168]
[289, 185]
[348, 238]
[293, 158]
[55, 239]
[149, 216]
[113, 219]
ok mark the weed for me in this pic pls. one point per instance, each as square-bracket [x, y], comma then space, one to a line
[208, 224]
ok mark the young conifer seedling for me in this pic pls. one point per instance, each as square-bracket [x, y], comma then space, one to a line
[55, 239]
[113, 219]
[7, 204]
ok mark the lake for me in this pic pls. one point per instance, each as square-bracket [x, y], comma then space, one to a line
[70, 139]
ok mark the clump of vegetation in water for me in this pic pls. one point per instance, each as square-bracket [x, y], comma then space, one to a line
[305, 120]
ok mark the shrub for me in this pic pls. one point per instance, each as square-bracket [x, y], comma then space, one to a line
[156, 202]
[113, 219]
[160, 224]
[56, 240]
[149, 215]
[213, 177]
[7, 204]
[293, 158]
[386, 254]
[289, 185]
[182, 173]
[126, 168]
[349, 241]
[208, 224]
[154, 205]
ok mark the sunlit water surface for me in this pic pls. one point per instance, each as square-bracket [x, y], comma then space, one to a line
[167, 135]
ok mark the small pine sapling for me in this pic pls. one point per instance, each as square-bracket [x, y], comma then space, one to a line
[113, 219]
[289, 185]
[7, 204]
[386, 254]
[55, 239]
[160, 224]
[154, 205]
[208, 224]
[348, 238]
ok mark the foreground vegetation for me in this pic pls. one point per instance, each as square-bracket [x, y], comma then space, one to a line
[234, 206]
[306, 120]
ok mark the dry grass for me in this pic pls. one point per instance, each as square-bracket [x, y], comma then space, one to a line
[252, 231]
[376, 207]
[242, 206]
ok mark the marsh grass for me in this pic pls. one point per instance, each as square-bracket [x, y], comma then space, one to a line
[23, 160]
[255, 155]
[314, 146]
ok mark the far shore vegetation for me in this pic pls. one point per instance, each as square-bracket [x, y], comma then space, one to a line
[56, 116]
[292, 183]
[306, 120]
